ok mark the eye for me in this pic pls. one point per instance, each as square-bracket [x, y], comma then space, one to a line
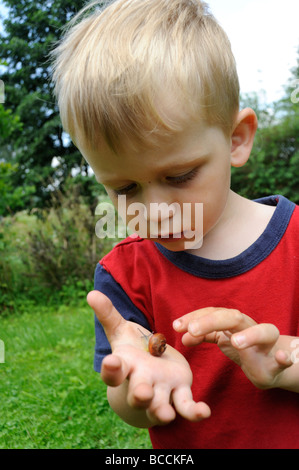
[126, 190]
[180, 179]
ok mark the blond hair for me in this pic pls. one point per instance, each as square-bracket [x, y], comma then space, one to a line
[137, 69]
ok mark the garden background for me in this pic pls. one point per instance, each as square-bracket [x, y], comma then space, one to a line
[50, 395]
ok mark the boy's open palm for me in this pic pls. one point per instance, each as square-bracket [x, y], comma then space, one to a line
[161, 386]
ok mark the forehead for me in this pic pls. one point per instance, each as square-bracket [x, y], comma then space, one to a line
[175, 152]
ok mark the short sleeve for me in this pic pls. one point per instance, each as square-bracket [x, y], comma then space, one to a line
[104, 282]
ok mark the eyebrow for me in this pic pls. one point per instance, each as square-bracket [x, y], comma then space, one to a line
[172, 168]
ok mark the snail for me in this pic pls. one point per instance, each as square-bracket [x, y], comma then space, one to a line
[156, 343]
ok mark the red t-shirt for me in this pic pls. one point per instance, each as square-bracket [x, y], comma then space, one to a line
[153, 286]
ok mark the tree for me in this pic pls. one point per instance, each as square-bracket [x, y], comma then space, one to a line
[10, 197]
[31, 29]
[273, 167]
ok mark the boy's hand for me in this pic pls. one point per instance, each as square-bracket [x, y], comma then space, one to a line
[158, 385]
[258, 348]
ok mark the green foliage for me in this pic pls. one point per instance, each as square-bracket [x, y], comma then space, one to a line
[273, 167]
[8, 123]
[49, 256]
[13, 198]
[30, 31]
[51, 397]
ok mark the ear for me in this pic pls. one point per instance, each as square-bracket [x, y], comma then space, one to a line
[243, 134]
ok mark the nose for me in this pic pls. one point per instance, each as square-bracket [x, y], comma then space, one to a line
[155, 214]
[162, 215]
[158, 205]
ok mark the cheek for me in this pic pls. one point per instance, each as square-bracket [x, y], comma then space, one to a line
[214, 194]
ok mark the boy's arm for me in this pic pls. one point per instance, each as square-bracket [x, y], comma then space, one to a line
[143, 390]
[267, 358]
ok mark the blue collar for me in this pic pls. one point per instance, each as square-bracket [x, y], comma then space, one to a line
[245, 261]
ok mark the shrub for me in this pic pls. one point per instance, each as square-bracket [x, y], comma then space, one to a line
[50, 254]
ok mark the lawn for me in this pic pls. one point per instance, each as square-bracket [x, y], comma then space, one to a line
[51, 398]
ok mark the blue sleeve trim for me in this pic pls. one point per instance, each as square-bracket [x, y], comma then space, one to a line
[105, 283]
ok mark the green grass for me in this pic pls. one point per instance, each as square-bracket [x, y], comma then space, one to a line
[51, 398]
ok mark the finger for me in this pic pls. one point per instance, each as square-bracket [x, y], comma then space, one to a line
[187, 407]
[284, 359]
[189, 340]
[206, 320]
[263, 335]
[181, 324]
[160, 410]
[105, 311]
[114, 370]
[220, 320]
[140, 394]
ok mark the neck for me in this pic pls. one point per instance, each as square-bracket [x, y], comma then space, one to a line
[240, 225]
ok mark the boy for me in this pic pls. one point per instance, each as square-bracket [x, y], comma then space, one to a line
[149, 93]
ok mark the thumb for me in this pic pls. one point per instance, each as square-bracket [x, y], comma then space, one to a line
[105, 312]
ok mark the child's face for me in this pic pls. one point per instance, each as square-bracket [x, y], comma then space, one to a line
[193, 167]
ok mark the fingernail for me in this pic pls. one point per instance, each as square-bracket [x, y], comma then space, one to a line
[239, 341]
[193, 329]
[177, 324]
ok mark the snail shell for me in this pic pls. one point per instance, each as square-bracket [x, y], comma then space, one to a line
[157, 344]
